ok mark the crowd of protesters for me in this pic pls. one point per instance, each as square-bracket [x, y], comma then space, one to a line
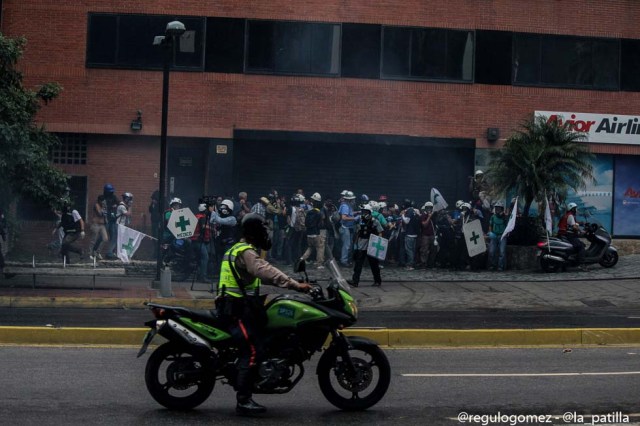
[315, 228]
[318, 228]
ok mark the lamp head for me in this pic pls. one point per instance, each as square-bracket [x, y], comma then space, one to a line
[175, 29]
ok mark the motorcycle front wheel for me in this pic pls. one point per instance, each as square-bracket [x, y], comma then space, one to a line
[359, 389]
[177, 377]
[609, 259]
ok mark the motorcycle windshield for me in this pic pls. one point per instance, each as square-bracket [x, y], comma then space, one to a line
[337, 276]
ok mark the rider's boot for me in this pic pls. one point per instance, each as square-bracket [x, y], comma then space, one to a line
[244, 387]
[249, 407]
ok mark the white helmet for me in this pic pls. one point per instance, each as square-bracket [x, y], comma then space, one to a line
[499, 204]
[571, 206]
[349, 196]
[479, 172]
[316, 197]
[459, 204]
[298, 198]
[467, 205]
[227, 203]
[175, 200]
[427, 204]
[202, 207]
[344, 192]
[382, 204]
[374, 205]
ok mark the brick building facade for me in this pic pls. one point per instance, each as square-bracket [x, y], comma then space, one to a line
[353, 124]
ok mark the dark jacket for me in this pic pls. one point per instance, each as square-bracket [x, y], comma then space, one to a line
[313, 222]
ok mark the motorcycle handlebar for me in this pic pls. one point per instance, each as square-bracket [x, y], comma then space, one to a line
[316, 292]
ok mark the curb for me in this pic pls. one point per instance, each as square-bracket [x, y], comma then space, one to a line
[99, 302]
[391, 338]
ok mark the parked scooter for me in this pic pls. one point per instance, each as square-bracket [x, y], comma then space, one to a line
[559, 253]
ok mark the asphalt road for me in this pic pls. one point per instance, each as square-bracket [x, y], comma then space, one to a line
[468, 319]
[105, 386]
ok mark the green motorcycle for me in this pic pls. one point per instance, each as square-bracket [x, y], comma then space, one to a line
[353, 372]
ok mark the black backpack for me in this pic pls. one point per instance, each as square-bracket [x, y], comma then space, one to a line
[68, 224]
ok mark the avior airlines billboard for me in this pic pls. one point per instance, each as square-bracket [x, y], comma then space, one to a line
[600, 128]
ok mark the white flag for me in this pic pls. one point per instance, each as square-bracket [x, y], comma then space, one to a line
[512, 220]
[438, 200]
[548, 222]
[128, 242]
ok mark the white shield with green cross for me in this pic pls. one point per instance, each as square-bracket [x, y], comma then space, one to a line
[182, 223]
[474, 237]
[377, 247]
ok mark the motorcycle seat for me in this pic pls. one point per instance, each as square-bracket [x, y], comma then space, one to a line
[208, 317]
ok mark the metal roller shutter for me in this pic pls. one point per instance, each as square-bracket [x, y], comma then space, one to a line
[397, 166]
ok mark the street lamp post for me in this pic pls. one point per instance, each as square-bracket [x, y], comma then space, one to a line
[174, 30]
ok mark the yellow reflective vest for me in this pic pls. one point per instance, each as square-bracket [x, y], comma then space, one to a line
[228, 281]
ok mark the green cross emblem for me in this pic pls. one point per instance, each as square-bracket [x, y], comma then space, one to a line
[129, 246]
[474, 237]
[182, 224]
[378, 246]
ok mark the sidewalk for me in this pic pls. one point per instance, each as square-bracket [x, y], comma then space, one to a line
[402, 290]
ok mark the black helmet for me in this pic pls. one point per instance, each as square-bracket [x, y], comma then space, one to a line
[254, 231]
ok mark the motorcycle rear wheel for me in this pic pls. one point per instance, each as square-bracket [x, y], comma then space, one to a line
[609, 259]
[348, 391]
[177, 377]
[549, 265]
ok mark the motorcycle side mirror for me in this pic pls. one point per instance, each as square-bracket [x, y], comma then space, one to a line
[300, 266]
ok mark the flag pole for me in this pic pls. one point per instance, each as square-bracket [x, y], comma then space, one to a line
[546, 200]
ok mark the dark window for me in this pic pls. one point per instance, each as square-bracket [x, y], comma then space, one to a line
[261, 45]
[71, 150]
[361, 50]
[566, 61]
[126, 41]
[135, 37]
[526, 59]
[293, 48]
[396, 51]
[493, 57]
[427, 53]
[606, 64]
[630, 65]
[102, 39]
[225, 45]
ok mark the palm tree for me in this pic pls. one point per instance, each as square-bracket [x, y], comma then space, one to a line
[542, 157]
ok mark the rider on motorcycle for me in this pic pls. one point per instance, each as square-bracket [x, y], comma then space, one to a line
[570, 229]
[241, 273]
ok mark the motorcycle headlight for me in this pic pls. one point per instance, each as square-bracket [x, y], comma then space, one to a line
[353, 308]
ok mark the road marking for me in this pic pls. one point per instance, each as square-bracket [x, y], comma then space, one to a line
[611, 373]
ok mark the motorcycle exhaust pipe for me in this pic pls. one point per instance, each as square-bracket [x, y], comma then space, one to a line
[554, 258]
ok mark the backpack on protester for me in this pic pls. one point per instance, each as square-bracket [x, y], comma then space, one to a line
[299, 224]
